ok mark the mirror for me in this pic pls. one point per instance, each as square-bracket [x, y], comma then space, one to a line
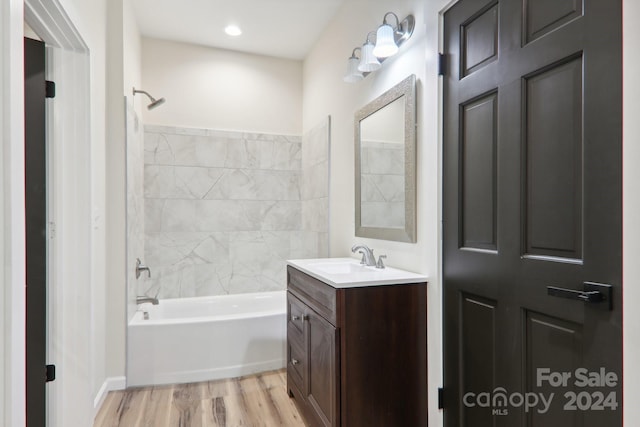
[385, 152]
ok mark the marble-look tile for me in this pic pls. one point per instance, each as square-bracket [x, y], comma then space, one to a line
[383, 214]
[315, 215]
[174, 182]
[179, 215]
[222, 209]
[280, 155]
[382, 188]
[315, 144]
[224, 134]
[261, 154]
[382, 160]
[159, 129]
[315, 181]
[183, 248]
[323, 244]
[185, 150]
[153, 214]
[226, 215]
[304, 244]
[189, 131]
[187, 281]
[258, 257]
[248, 184]
[280, 215]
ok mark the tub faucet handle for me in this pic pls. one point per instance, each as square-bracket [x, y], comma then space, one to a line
[140, 267]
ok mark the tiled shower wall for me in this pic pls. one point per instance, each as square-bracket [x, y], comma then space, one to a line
[223, 211]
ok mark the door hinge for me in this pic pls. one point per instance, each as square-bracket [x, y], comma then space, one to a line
[440, 398]
[50, 373]
[442, 64]
[52, 230]
[50, 89]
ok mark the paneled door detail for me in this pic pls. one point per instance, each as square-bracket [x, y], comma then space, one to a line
[532, 245]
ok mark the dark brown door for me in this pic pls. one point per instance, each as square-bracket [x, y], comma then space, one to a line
[36, 245]
[532, 213]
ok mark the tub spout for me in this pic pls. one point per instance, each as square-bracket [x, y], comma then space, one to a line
[144, 298]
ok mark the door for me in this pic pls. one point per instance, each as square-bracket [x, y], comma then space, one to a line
[35, 207]
[532, 213]
[322, 355]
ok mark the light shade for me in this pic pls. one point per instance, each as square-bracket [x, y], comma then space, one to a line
[353, 74]
[368, 61]
[233, 30]
[385, 43]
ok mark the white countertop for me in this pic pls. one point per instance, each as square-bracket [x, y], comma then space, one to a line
[349, 273]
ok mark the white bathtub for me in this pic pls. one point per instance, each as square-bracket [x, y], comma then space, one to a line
[207, 338]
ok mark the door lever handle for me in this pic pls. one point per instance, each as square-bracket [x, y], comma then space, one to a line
[594, 293]
[591, 296]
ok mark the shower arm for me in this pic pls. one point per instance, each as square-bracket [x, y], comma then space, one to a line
[154, 102]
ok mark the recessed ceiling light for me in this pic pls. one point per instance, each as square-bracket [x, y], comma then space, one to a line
[233, 30]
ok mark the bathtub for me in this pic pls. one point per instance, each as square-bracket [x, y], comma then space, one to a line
[207, 338]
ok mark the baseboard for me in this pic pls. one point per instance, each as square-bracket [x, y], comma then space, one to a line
[205, 374]
[110, 384]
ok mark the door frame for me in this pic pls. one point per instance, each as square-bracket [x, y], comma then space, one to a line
[67, 61]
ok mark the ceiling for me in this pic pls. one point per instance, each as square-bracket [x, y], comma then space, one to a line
[280, 28]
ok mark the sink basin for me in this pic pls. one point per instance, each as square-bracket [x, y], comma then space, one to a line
[348, 272]
[347, 267]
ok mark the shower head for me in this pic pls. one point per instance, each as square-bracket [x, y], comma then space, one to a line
[154, 102]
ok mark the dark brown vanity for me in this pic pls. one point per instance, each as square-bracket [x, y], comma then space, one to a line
[357, 353]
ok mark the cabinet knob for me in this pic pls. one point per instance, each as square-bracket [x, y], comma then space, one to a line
[294, 361]
[294, 317]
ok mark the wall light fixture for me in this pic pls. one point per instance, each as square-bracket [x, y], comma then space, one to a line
[387, 41]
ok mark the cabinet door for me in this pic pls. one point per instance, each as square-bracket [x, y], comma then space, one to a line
[322, 380]
[296, 348]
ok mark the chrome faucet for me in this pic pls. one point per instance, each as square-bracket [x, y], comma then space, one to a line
[368, 258]
[140, 267]
[143, 299]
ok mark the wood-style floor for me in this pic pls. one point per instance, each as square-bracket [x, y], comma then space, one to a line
[254, 401]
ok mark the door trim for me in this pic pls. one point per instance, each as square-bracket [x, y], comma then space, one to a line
[69, 231]
[69, 56]
[12, 215]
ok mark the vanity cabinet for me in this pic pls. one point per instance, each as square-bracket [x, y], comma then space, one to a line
[357, 356]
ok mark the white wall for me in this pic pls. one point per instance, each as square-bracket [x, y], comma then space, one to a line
[631, 210]
[132, 53]
[115, 193]
[83, 307]
[326, 94]
[12, 214]
[123, 72]
[132, 77]
[221, 89]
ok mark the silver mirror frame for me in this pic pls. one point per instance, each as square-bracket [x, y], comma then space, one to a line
[406, 88]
